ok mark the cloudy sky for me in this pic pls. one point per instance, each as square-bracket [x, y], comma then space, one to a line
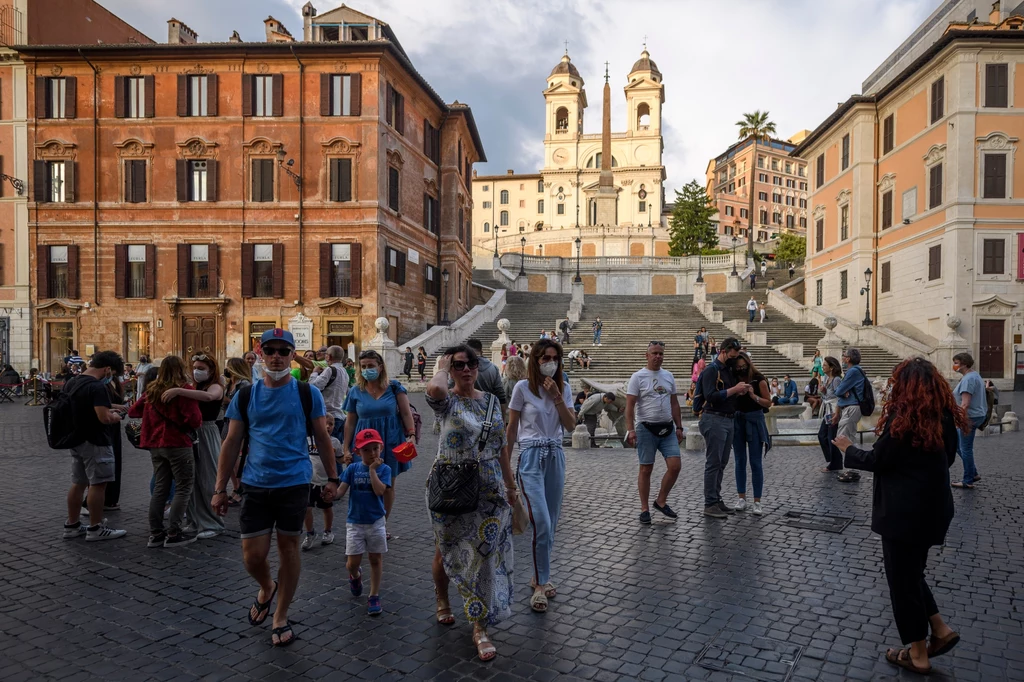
[796, 58]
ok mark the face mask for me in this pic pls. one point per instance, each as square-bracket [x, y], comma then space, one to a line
[744, 371]
[549, 369]
[731, 362]
[107, 380]
[956, 367]
[370, 374]
[277, 375]
[200, 375]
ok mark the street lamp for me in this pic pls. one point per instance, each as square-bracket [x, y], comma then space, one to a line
[444, 278]
[496, 241]
[866, 291]
[578, 278]
[522, 256]
[287, 168]
[700, 260]
[18, 185]
[734, 273]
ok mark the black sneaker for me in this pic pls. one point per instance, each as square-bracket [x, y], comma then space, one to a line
[666, 510]
[645, 518]
[179, 539]
[157, 539]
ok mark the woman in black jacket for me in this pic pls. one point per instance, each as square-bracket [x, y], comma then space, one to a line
[912, 505]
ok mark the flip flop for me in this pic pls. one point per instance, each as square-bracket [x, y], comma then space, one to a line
[262, 608]
[958, 484]
[901, 658]
[938, 647]
[281, 641]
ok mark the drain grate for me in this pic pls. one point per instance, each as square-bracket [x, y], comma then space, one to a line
[756, 658]
[812, 521]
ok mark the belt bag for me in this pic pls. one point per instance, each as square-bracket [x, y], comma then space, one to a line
[660, 429]
[454, 487]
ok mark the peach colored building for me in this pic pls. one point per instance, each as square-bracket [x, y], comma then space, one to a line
[917, 182]
[187, 196]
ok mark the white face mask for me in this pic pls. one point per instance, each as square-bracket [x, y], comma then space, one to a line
[549, 369]
[277, 375]
[200, 375]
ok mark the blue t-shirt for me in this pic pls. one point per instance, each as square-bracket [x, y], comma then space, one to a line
[972, 383]
[364, 505]
[278, 454]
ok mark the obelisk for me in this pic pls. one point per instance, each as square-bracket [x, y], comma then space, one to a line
[606, 195]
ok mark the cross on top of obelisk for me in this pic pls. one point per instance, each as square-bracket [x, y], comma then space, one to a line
[645, 42]
[566, 48]
[606, 77]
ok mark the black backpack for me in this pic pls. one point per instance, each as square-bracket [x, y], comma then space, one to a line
[867, 399]
[245, 395]
[59, 419]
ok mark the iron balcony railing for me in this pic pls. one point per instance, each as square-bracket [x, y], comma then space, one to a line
[136, 288]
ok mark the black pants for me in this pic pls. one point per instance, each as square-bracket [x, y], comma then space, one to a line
[912, 601]
[826, 433]
[591, 422]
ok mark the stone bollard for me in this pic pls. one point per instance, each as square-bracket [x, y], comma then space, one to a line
[580, 437]
[694, 438]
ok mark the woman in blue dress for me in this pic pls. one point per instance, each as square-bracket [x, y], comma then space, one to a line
[382, 405]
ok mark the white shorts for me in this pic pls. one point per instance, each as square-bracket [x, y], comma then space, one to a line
[361, 538]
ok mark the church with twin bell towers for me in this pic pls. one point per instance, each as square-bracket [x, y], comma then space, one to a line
[609, 185]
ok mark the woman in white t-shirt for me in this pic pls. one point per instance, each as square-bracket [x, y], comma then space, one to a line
[539, 409]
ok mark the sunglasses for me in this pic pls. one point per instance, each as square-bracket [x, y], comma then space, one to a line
[657, 343]
[200, 357]
[369, 354]
[460, 365]
[276, 350]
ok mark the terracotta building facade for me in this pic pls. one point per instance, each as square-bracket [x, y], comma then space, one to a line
[187, 196]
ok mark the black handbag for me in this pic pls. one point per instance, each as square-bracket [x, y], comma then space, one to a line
[454, 487]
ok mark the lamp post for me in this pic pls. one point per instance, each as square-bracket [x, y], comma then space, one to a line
[700, 260]
[496, 242]
[866, 292]
[287, 168]
[734, 273]
[444, 278]
[578, 278]
[522, 256]
[18, 185]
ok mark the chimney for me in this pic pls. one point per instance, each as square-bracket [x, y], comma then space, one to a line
[180, 34]
[308, 12]
[993, 16]
[235, 38]
[510, 171]
[276, 32]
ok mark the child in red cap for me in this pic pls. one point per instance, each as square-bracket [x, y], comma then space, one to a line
[365, 531]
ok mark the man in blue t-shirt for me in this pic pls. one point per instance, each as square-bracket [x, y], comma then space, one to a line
[276, 475]
[971, 394]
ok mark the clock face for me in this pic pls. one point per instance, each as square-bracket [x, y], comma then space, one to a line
[560, 155]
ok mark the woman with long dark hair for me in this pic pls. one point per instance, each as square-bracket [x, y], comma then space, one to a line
[912, 505]
[826, 429]
[750, 432]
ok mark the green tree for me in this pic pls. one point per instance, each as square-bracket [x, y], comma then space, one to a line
[791, 249]
[756, 124]
[691, 221]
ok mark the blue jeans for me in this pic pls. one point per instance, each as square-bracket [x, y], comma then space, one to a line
[746, 438]
[965, 448]
[792, 400]
[718, 434]
[751, 314]
[648, 445]
[597, 336]
[541, 475]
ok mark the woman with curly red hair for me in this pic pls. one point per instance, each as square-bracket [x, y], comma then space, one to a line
[912, 505]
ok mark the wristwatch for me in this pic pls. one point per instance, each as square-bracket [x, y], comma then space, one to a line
[335, 481]
[220, 492]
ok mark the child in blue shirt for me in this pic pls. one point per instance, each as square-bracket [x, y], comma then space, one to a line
[368, 479]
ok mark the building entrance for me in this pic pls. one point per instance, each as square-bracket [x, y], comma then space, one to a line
[991, 349]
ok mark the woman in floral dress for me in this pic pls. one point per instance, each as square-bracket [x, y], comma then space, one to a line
[473, 550]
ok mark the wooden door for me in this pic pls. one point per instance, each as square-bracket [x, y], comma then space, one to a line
[990, 349]
[198, 334]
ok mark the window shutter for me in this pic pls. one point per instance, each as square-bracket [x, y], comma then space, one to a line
[427, 284]
[70, 184]
[335, 179]
[278, 95]
[42, 271]
[139, 180]
[181, 173]
[1, 173]
[150, 84]
[247, 94]
[346, 180]
[212, 90]
[129, 172]
[119, 93]
[325, 270]
[214, 269]
[935, 192]
[356, 89]
[248, 257]
[70, 97]
[887, 210]
[886, 275]
[73, 271]
[256, 168]
[120, 270]
[819, 235]
[388, 99]
[183, 262]
[437, 216]
[1, 263]
[325, 94]
[267, 191]
[356, 286]
[277, 268]
[40, 97]
[39, 181]
[427, 139]
[393, 179]
[426, 211]
[211, 180]
[183, 96]
[401, 268]
[150, 270]
[400, 114]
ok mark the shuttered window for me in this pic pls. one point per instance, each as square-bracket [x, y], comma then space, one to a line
[886, 277]
[819, 166]
[888, 133]
[135, 181]
[934, 262]
[886, 209]
[938, 99]
[994, 186]
[341, 94]
[431, 214]
[994, 262]
[431, 142]
[56, 97]
[341, 270]
[819, 292]
[263, 95]
[135, 271]
[819, 234]
[844, 283]
[262, 179]
[53, 181]
[341, 179]
[844, 222]
[846, 151]
[57, 271]
[262, 270]
[431, 281]
[394, 109]
[935, 186]
[394, 191]
[996, 90]
[394, 266]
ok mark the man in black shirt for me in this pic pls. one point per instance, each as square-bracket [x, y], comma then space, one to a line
[720, 389]
[92, 460]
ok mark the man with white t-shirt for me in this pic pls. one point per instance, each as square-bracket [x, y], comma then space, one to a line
[652, 409]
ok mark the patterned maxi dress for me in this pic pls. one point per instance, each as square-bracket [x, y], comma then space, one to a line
[476, 548]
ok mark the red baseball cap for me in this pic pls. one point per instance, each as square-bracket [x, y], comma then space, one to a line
[367, 436]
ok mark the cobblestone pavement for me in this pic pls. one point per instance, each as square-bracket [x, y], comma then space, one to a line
[752, 597]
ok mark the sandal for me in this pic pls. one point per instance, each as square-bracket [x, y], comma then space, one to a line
[279, 632]
[848, 477]
[549, 589]
[444, 611]
[967, 486]
[262, 608]
[484, 648]
[235, 500]
[938, 647]
[539, 600]
[901, 658]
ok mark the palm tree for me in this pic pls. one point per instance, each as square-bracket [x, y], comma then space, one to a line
[761, 128]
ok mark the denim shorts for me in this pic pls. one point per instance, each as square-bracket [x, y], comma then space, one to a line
[647, 445]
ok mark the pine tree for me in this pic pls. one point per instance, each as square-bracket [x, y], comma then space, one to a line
[691, 221]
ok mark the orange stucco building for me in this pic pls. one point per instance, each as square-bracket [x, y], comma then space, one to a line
[187, 196]
[916, 182]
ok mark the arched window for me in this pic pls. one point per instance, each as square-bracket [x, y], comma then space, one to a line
[595, 161]
[504, 197]
[592, 213]
[540, 206]
[504, 218]
[540, 185]
[643, 115]
[562, 119]
[487, 227]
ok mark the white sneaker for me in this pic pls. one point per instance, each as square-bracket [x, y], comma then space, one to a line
[74, 531]
[206, 534]
[307, 542]
[104, 533]
[757, 509]
[327, 538]
[741, 505]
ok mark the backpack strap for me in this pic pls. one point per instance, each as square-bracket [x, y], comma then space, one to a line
[306, 397]
[334, 376]
[488, 423]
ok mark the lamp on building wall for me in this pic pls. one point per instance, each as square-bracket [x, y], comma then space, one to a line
[522, 256]
[734, 273]
[866, 291]
[578, 278]
[18, 185]
[286, 167]
[700, 259]
[444, 278]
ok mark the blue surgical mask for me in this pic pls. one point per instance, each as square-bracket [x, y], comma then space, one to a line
[370, 374]
[107, 380]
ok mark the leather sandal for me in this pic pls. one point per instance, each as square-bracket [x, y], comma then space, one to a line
[484, 647]
[444, 610]
[549, 589]
[539, 600]
[940, 646]
[902, 659]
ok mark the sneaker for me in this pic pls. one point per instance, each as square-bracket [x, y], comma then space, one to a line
[307, 542]
[741, 505]
[85, 512]
[156, 540]
[111, 507]
[645, 518]
[722, 506]
[75, 531]
[373, 606]
[179, 539]
[103, 533]
[666, 510]
[355, 584]
[757, 509]
[188, 528]
[714, 512]
[327, 538]
[206, 534]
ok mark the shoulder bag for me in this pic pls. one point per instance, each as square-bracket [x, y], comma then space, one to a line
[454, 487]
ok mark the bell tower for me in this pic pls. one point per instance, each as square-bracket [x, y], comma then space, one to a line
[645, 93]
[565, 99]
